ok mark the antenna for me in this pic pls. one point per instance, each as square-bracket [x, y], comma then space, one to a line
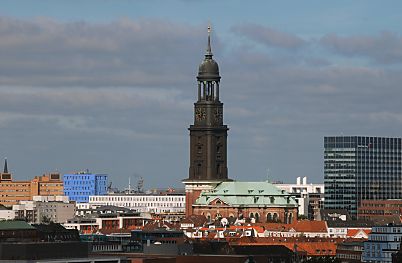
[129, 184]
[268, 175]
[140, 185]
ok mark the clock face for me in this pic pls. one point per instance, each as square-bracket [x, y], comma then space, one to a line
[200, 114]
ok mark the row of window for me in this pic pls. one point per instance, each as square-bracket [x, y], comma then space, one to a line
[144, 204]
[137, 198]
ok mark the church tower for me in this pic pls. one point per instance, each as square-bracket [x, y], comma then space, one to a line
[208, 134]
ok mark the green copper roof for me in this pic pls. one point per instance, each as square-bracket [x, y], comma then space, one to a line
[14, 225]
[248, 194]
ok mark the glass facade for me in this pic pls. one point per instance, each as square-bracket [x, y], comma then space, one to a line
[78, 187]
[361, 168]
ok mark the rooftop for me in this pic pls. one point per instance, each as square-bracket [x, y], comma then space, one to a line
[15, 225]
[247, 193]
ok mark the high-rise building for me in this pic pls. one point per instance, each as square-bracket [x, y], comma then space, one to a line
[360, 168]
[208, 134]
[79, 186]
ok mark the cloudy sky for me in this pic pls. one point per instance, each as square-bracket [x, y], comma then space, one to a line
[109, 85]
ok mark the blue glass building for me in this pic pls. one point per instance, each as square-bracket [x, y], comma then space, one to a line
[79, 186]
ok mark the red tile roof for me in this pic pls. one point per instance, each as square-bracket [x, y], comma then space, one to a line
[298, 226]
[312, 246]
[354, 232]
[311, 226]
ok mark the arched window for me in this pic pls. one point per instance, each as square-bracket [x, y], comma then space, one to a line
[269, 217]
[275, 219]
[251, 215]
[257, 217]
[209, 217]
[290, 218]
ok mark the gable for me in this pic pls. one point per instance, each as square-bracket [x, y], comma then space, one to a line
[217, 201]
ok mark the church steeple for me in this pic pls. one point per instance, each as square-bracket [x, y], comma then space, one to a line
[208, 134]
[209, 50]
[5, 166]
[208, 157]
[208, 72]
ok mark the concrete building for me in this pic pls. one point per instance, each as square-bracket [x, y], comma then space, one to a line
[309, 197]
[79, 186]
[257, 201]
[45, 209]
[6, 214]
[12, 192]
[383, 242]
[152, 203]
[108, 218]
[350, 251]
[358, 168]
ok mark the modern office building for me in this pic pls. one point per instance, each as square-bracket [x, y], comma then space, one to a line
[79, 186]
[360, 168]
[12, 192]
[382, 243]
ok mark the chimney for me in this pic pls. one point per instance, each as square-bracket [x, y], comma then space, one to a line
[298, 180]
[304, 180]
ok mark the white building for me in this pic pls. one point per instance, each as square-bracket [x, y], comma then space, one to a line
[308, 196]
[383, 242]
[57, 209]
[113, 221]
[152, 203]
[7, 214]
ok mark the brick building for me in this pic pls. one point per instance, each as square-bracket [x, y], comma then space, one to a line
[379, 209]
[11, 192]
[257, 201]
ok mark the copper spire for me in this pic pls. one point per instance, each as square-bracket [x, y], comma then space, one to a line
[209, 50]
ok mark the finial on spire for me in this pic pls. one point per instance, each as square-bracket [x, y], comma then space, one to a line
[209, 50]
[5, 166]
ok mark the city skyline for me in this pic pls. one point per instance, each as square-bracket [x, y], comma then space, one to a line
[110, 87]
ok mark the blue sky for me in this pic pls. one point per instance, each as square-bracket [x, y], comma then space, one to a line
[109, 85]
[310, 18]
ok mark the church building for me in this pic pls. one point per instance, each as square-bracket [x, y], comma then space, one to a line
[209, 191]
